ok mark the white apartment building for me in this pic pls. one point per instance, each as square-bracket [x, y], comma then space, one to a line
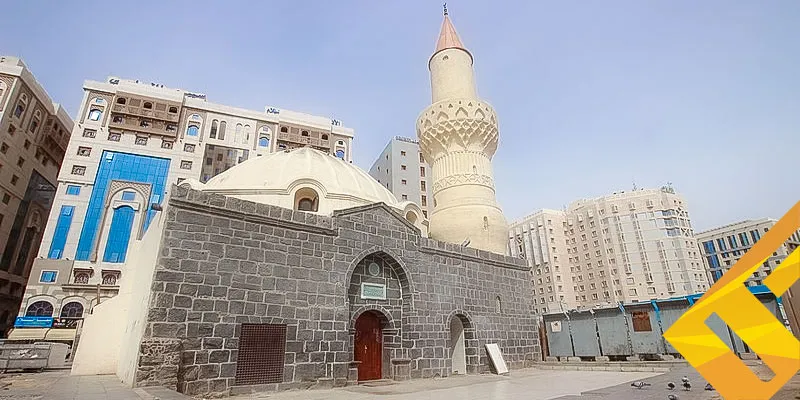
[403, 170]
[626, 247]
[34, 133]
[130, 143]
[722, 247]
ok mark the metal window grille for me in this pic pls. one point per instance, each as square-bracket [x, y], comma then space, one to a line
[261, 354]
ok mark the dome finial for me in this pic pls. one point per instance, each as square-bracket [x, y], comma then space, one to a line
[445, 8]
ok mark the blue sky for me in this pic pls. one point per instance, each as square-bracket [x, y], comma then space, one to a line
[591, 96]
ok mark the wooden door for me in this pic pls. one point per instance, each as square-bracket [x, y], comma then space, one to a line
[368, 347]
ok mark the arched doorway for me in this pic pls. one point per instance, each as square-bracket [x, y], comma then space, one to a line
[368, 346]
[458, 349]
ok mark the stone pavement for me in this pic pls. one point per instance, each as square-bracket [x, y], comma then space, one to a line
[59, 385]
[521, 384]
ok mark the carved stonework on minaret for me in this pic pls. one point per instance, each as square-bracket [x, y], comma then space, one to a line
[458, 137]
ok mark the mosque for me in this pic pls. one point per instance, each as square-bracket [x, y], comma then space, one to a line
[315, 275]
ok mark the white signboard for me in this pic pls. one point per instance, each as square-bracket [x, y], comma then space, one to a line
[497, 358]
[555, 326]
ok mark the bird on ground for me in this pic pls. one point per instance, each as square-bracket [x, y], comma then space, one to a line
[639, 384]
[709, 387]
[672, 397]
[670, 386]
[687, 386]
[685, 379]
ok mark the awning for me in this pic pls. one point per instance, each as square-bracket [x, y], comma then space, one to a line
[28, 333]
[60, 334]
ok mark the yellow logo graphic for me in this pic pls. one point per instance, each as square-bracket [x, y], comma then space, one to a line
[746, 316]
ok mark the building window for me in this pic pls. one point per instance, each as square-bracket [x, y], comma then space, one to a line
[90, 133]
[3, 148]
[128, 196]
[213, 133]
[422, 185]
[121, 100]
[109, 279]
[498, 305]
[6, 198]
[171, 128]
[403, 181]
[222, 130]
[114, 136]
[117, 119]
[425, 213]
[424, 200]
[147, 105]
[306, 199]
[48, 277]
[72, 310]
[263, 141]
[95, 114]
[21, 104]
[166, 144]
[403, 167]
[422, 171]
[402, 153]
[39, 309]
[73, 190]
[192, 130]
[14, 179]
[173, 110]
[186, 164]
[144, 123]
[189, 148]
[20, 162]
[119, 235]
[340, 154]
[37, 119]
[84, 151]
[78, 170]
[61, 232]
[641, 321]
[27, 144]
[304, 133]
[405, 197]
[141, 141]
[324, 137]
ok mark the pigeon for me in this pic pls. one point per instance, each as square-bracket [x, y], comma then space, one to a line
[639, 384]
[685, 379]
[709, 387]
[670, 386]
[672, 397]
[687, 386]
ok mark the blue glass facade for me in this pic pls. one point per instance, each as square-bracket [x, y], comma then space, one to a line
[128, 196]
[709, 247]
[743, 239]
[755, 235]
[721, 244]
[119, 235]
[60, 234]
[127, 167]
[73, 190]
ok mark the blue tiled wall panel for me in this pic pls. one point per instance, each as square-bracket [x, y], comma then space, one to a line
[121, 166]
[61, 232]
[119, 235]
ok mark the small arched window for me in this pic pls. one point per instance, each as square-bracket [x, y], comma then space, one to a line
[82, 278]
[72, 310]
[37, 119]
[263, 141]
[173, 110]
[213, 133]
[304, 133]
[193, 130]
[121, 100]
[324, 137]
[499, 305]
[340, 154]
[147, 105]
[411, 217]
[40, 309]
[222, 130]
[284, 129]
[474, 169]
[95, 114]
[22, 104]
[306, 199]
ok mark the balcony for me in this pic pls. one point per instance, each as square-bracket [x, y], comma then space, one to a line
[304, 140]
[134, 124]
[144, 112]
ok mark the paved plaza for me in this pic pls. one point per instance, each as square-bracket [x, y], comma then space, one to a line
[528, 384]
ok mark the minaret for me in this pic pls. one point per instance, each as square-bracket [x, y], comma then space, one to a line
[458, 137]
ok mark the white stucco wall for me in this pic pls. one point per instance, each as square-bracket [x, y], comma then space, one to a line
[111, 334]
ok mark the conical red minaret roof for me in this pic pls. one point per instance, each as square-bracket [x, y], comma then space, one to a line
[448, 38]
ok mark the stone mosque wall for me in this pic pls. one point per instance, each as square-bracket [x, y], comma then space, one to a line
[225, 264]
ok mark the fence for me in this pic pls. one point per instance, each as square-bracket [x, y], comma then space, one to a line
[635, 329]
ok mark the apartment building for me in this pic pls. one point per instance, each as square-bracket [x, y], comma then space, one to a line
[626, 247]
[403, 170]
[34, 133]
[722, 247]
[130, 143]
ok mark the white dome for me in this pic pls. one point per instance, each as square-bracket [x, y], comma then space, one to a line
[277, 178]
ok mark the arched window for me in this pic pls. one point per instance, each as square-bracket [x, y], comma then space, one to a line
[237, 134]
[213, 133]
[306, 199]
[247, 133]
[173, 110]
[95, 114]
[82, 278]
[110, 279]
[193, 130]
[147, 105]
[22, 104]
[72, 310]
[324, 137]
[263, 141]
[119, 235]
[40, 309]
[222, 130]
[411, 217]
[195, 117]
[340, 153]
[499, 305]
[284, 129]
[121, 100]
[304, 133]
[37, 119]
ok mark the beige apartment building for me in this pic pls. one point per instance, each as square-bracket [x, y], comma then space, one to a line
[403, 170]
[626, 247]
[34, 133]
[723, 246]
